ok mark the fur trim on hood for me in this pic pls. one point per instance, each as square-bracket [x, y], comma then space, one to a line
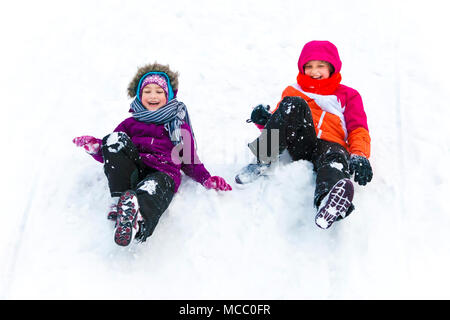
[173, 77]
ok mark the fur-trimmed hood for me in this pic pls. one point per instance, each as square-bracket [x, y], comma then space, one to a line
[173, 77]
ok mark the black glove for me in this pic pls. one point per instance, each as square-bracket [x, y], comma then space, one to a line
[260, 114]
[362, 169]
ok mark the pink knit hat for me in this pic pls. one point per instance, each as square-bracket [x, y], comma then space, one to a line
[320, 50]
[156, 79]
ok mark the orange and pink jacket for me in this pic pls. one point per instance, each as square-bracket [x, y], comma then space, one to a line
[337, 110]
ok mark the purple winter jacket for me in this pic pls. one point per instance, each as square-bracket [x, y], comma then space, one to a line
[155, 148]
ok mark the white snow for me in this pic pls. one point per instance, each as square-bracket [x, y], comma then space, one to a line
[112, 140]
[322, 222]
[337, 165]
[149, 186]
[65, 67]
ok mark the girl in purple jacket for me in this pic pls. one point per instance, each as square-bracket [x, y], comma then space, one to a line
[144, 156]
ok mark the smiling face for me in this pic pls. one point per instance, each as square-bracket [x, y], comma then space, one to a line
[153, 97]
[317, 69]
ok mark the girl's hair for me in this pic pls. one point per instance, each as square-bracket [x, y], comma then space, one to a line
[331, 68]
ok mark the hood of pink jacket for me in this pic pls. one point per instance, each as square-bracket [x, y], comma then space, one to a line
[320, 50]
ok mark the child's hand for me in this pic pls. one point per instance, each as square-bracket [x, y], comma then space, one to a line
[361, 167]
[260, 114]
[90, 144]
[217, 183]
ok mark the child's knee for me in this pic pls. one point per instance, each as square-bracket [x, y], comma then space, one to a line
[335, 159]
[116, 141]
[156, 184]
[289, 104]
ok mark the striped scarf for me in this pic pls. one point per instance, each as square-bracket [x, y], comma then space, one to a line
[171, 115]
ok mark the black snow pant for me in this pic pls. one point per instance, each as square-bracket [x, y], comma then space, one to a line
[291, 127]
[125, 170]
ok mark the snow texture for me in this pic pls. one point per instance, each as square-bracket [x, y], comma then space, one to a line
[337, 165]
[149, 186]
[68, 64]
[113, 142]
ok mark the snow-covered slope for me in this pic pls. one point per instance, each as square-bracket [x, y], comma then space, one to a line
[65, 67]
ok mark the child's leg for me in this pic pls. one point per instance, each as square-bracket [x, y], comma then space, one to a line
[290, 127]
[122, 163]
[334, 190]
[154, 193]
[293, 124]
[331, 164]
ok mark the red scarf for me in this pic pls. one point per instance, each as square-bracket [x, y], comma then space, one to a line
[323, 86]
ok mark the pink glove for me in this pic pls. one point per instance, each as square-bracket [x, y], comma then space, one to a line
[217, 183]
[90, 144]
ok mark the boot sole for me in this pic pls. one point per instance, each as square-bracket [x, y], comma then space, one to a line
[127, 216]
[337, 203]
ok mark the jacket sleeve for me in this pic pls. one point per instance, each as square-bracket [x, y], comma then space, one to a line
[356, 122]
[359, 142]
[193, 168]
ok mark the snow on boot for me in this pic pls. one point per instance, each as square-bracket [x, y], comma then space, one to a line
[251, 172]
[143, 233]
[349, 211]
[128, 218]
[336, 203]
[112, 214]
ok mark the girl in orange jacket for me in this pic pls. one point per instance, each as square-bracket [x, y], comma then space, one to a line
[320, 120]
